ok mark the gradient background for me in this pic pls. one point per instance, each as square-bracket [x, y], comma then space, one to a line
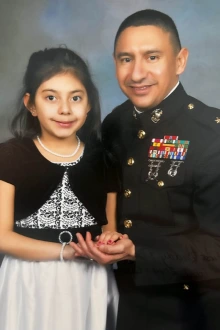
[89, 27]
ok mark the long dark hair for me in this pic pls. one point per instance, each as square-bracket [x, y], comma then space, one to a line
[42, 66]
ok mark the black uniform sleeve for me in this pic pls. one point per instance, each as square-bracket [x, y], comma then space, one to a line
[111, 163]
[193, 256]
[8, 163]
[112, 179]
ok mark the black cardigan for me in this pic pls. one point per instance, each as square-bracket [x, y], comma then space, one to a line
[35, 178]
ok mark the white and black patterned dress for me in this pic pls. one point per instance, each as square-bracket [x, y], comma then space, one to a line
[55, 295]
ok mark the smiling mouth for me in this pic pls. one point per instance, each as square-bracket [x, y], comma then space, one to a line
[141, 86]
[141, 89]
[65, 123]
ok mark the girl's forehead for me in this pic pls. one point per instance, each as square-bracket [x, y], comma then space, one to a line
[62, 81]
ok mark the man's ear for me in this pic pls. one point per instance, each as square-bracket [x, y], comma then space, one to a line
[181, 60]
[114, 59]
[31, 108]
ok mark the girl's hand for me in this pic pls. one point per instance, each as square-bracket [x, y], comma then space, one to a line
[81, 248]
[108, 237]
[105, 254]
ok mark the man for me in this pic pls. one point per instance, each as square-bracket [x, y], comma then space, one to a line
[167, 147]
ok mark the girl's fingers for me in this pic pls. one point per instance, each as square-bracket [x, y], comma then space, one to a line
[109, 238]
[83, 246]
[78, 250]
[103, 236]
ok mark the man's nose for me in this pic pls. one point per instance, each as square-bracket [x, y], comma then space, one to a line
[138, 71]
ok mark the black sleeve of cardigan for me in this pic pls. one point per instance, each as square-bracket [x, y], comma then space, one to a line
[8, 163]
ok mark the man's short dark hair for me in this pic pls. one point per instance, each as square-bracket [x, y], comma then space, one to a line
[151, 17]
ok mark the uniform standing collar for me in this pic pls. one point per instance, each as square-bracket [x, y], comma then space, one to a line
[172, 90]
[166, 108]
[173, 100]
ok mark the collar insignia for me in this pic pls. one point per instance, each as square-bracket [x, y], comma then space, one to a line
[155, 115]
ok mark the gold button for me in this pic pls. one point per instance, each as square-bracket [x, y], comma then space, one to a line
[127, 193]
[191, 106]
[128, 223]
[160, 184]
[130, 161]
[141, 134]
[185, 287]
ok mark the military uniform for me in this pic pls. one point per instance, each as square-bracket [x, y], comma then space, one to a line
[169, 164]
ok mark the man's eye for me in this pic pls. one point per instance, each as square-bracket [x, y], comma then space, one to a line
[126, 59]
[153, 57]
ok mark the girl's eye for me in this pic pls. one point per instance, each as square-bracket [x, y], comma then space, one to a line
[76, 98]
[51, 97]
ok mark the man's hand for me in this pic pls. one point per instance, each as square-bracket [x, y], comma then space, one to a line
[104, 254]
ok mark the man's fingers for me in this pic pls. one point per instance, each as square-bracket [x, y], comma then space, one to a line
[89, 249]
[111, 249]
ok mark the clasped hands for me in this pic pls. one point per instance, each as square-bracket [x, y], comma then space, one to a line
[108, 248]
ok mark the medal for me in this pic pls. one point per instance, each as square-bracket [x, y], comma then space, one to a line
[154, 166]
[170, 147]
[174, 167]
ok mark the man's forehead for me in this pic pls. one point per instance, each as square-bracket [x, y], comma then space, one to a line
[146, 37]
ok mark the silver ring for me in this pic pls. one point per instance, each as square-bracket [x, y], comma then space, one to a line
[65, 232]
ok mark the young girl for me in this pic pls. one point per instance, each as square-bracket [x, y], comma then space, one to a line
[53, 184]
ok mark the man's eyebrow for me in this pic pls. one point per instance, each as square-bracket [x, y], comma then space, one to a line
[153, 51]
[147, 52]
[121, 54]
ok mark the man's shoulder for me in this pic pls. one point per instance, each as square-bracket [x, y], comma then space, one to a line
[203, 114]
[118, 112]
[123, 107]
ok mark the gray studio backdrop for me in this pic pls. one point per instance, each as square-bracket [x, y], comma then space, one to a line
[89, 27]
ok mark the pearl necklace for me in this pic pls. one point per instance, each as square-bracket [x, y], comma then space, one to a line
[58, 155]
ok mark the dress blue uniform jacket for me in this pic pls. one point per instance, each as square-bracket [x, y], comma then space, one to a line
[168, 159]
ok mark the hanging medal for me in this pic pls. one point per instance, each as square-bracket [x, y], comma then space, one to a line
[154, 166]
[174, 167]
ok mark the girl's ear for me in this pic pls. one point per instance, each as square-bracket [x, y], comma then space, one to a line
[31, 108]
